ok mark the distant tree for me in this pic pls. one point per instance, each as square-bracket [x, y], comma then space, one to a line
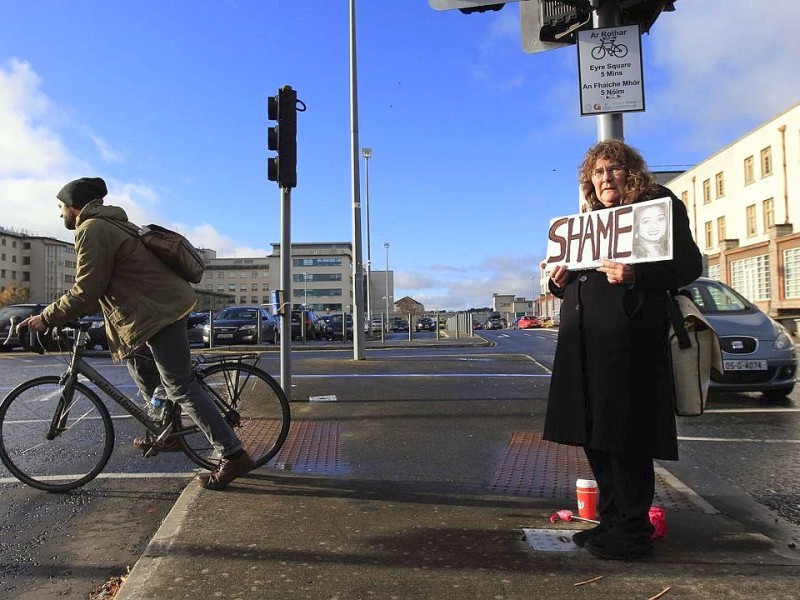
[14, 295]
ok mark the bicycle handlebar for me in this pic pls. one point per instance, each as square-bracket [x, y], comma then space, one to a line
[12, 326]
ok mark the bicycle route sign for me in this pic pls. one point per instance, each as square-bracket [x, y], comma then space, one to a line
[610, 70]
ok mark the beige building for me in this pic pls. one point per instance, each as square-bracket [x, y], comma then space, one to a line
[743, 203]
[43, 265]
[321, 277]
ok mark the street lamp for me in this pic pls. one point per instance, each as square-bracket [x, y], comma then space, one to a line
[367, 154]
[386, 246]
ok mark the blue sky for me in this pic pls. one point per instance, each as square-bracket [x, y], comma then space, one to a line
[475, 143]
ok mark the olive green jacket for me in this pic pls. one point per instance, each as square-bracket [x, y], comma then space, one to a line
[138, 294]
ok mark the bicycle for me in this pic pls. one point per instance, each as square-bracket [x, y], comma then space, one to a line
[56, 434]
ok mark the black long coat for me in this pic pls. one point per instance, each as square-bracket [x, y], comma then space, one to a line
[611, 387]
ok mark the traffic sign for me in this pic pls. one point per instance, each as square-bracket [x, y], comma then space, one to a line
[610, 70]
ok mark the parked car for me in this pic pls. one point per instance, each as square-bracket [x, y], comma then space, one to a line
[333, 327]
[20, 312]
[528, 322]
[758, 354]
[377, 323]
[97, 332]
[398, 324]
[495, 321]
[477, 325]
[426, 324]
[238, 325]
[313, 326]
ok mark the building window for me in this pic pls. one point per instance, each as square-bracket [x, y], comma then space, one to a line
[709, 235]
[254, 288]
[768, 213]
[706, 191]
[26, 276]
[720, 182]
[254, 299]
[685, 198]
[751, 220]
[721, 235]
[750, 277]
[713, 271]
[242, 299]
[26, 245]
[791, 267]
[749, 176]
[766, 161]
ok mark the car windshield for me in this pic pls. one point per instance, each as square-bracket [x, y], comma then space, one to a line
[16, 311]
[714, 297]
[237, 313]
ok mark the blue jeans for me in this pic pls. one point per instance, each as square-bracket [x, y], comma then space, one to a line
[171, 366]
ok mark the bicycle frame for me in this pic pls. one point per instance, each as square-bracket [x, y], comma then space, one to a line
[78, 366]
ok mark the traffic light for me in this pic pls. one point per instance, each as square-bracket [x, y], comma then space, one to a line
[283, 137]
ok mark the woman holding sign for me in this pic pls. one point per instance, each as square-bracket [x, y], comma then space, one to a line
[611, 390]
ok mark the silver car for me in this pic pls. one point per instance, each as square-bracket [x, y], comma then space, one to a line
[758, 354]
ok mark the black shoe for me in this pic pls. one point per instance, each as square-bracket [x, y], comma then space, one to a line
[584, 535]
[620, 545]
[227, 470]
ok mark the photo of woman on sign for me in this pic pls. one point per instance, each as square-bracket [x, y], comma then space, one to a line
[611, 389]
[650, 234]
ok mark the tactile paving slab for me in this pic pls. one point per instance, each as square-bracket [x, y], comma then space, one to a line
[531, 466]
[311, 448]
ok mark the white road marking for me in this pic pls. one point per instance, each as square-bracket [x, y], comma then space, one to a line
[183, 475]
[736, 440]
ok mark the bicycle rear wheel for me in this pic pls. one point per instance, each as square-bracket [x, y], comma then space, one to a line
[82, 444]
[251, 401]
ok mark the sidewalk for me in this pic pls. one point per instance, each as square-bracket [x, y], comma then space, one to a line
[416, 499]
[277, 536]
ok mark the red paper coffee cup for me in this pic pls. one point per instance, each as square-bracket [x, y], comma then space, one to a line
[586, 490]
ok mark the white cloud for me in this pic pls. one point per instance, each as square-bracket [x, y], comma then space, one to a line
[471, 286]
[28, 145]
[732, 65]
[36, 163]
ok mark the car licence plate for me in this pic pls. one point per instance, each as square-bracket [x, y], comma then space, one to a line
[744, 365]
[223, 336]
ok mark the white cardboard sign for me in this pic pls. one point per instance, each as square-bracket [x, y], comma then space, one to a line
[640, 232]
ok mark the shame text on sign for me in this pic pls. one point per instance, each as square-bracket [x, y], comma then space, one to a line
[591, 237]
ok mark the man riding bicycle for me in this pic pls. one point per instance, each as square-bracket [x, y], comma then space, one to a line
[145, 305]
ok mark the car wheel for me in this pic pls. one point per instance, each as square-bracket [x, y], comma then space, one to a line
[778, 395]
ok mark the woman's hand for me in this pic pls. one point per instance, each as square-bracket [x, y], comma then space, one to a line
[559, 275]
[617, 273]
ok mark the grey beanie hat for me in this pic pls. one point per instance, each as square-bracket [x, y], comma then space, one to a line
[80, 192]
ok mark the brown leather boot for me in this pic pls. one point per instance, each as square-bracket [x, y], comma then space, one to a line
[228, 469]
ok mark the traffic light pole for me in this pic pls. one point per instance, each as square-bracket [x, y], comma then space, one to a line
[286, 286]
[358, 264]
[609, 125]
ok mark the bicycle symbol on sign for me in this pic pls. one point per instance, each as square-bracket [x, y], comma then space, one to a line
[609, 47]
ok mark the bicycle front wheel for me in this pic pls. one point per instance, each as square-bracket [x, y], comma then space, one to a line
[252, 402]
[82, 435]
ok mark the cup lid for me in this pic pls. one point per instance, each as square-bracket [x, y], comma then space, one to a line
[586, 483]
